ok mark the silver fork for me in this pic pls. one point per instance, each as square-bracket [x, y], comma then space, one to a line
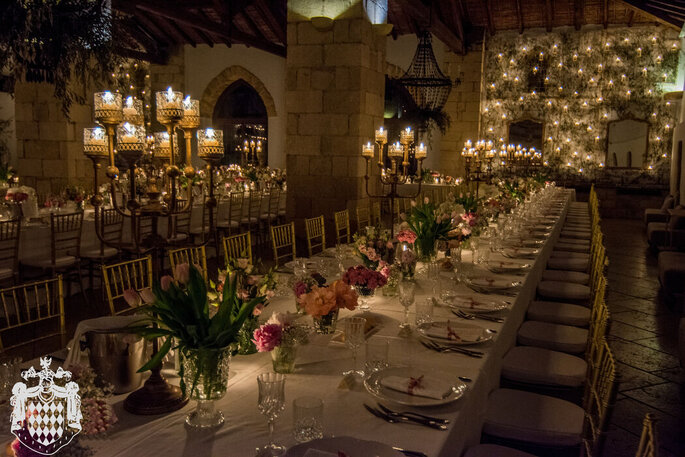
[465, 315]
[444, 349]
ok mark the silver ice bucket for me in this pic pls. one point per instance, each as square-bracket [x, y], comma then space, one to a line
[117, 354]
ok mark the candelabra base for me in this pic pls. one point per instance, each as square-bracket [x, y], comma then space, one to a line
[156, 396]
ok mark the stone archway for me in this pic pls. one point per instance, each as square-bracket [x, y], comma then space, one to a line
[227, 77]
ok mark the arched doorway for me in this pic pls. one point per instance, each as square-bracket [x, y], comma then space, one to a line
[240, 112]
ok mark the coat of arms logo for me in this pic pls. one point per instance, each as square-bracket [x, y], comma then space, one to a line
[46, 417]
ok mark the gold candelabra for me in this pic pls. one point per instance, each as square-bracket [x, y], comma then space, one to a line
[478, 160]
[252, 150]
[398, 173]
[518, 160]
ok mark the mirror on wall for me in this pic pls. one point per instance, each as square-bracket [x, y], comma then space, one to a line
[627, 143]
[526, 132]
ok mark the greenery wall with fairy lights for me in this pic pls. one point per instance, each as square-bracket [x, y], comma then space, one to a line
[576, 83]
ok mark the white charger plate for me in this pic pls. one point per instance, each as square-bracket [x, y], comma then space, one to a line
[374, 387]
[475, 304]
[483, 337]
[503, 266]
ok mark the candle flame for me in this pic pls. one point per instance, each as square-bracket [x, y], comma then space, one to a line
[169, 94]
[209, 133]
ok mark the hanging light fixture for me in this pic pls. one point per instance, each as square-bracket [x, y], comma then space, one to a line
[424, 80]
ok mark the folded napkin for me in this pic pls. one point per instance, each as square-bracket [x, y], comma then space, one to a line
[452, 333]
[75, 353]
[419, 387]
[490, 282]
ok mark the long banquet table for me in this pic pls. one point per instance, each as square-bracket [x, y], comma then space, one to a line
[317, 373]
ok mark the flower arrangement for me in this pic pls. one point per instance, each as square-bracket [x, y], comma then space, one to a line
[98, 415]
[430, 224]
[373, 246]
[406, 236]
[250, 282]
[181, 314]
[363, 277]
[468, 201]
[305, 285]
[321, 301]
[16, 197]
[279, 330]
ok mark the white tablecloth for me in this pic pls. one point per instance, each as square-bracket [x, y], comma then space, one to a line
[318, 369]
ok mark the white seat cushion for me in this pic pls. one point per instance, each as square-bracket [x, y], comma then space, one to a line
[494, 450]
[46, 262]
[228, 224]
[541, 366]
[559, 313]
[570, 247]
[533, 418]
[576, 234]
[281, 212]
[574, 241]
[578, 226]
[249, 220]
[179, 237]
[6, 273]
[267, 216]
[199, 230]
[96, 254]
[564, 290]
[571, 264]
[567, 276]
[557, 337]
[570, 255]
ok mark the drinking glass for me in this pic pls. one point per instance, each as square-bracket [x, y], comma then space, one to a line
[434, 278]
[354, 337]
[376, 355]
[307, 418]
[424, 312]
[271, 402]
[340, 256]
[406, 290]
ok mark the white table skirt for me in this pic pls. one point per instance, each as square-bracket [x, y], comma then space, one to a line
[318, 369]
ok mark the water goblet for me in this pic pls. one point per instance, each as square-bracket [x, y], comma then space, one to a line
[270, 403]
[406, 290]
[307, 418]
[376, 355]
[354, 338]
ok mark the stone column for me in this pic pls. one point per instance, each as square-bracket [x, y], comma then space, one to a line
[334, 100]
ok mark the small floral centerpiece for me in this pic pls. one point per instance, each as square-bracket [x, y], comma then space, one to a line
[98, 416]
[250, 285]
[365, 281]
[405, 254]
[180, 316]
[430, 224]
[74, 194]
[324, 304]
[305, 284]
[373, 246]
[280, 335]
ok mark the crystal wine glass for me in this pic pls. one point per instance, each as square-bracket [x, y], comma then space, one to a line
[406, 290]
[271, 402]
[354, 338]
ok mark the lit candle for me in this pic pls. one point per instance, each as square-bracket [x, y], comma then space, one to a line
[109, 101]
[129, 109]
[381, 135]
[367, 150]
[395, 150]
[210, 138]
[407, 136]
[468, 143]
[94, 136]
[420, 152]
[128, 134]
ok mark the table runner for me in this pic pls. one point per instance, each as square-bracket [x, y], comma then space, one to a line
[319, 365]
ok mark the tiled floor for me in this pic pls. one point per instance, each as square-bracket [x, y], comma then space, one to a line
[644, 337]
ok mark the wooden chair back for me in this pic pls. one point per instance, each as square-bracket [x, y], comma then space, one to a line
[363, 217]
[65, 230]
[10, 233]
[376, 214]
[238, 246]
[649, 445]
[195, 255]
[283, 242]
[599, 401]
[342, 226]
[32, 312]
[316, 235]
[133, 274]
[111, 227]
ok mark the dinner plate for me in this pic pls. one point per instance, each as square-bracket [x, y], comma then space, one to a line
[474, 304]
[311, 264]
[522, 253]
[472, 334]
[353, 447]
[504, 266]
[374, 387]
[491, 284]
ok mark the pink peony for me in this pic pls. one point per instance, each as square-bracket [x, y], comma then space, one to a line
[267, 337]
[300, 288]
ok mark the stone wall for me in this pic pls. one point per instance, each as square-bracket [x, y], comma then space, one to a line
[334, 100]
[50, 146]
[462, 106]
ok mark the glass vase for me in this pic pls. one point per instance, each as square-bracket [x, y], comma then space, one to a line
[205, 378]
[283, 358]
[364, 295]
[405, 257]
[325, 324]
[426, 249]
[245, 343]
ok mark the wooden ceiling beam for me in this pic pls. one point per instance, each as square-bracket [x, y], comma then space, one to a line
[631, 17]
[458, 19]
[578, 15]
[270, 19]
[203, 36]
[656, 14]
[191, 19]
[605, 13]
[140, 55]
[549, 15]
[488, 13]
[421, 14]
[519, 15]
[183, 34]
[251, 24]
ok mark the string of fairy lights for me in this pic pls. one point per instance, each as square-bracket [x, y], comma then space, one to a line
[132, 79]
[578, 82]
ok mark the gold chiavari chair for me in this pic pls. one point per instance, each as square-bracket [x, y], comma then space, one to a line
[234, 214]
[238, 246]
[133, 274]
[316, 235]
[250, 219]
[376, 214]
[283, 242]
[65, 249]
[143, 229]
[205, 231]
[32, 312]
[342, 226]
[363, 217]
[282, 200]
[269, 216]
[180, 227]
[194, 255]
[111, 224]
[649, 445]
[10, 233]
[599, 400]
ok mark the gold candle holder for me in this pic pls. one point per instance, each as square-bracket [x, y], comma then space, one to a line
[210, 145]
[163, 145]
[169, 106]
[95, 143]
[133, 111]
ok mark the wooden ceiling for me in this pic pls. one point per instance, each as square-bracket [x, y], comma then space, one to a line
[157, 27]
